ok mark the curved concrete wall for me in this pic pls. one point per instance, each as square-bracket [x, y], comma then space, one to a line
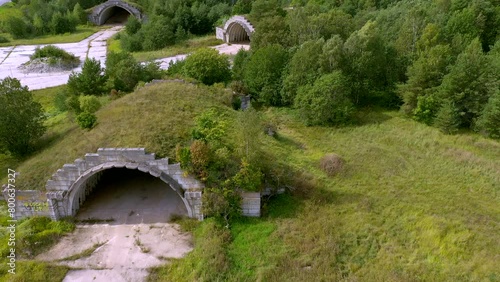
[69, 186]
[101, 13]
[236, 29]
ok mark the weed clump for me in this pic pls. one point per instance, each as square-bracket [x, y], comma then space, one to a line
[331, 164]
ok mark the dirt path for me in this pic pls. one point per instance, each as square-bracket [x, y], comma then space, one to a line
[125, 252]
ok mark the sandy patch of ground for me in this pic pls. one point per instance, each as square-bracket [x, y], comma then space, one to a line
[126, 253]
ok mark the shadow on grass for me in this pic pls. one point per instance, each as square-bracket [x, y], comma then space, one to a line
[289, 142]
[369, 116]
[289, 206]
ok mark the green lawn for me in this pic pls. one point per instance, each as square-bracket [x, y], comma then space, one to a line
[186, 47]
[82, 32]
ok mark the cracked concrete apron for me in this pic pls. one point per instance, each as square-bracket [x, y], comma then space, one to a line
[13, 57]
[93, 47]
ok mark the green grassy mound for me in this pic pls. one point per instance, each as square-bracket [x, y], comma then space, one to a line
[156, 117]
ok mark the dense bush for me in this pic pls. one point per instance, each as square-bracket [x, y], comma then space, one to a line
[207, 66]
[51, 51]
[263, 74]
[124, 72]
[89, 104]
[327, 101]
[22, 119]
[86, 120]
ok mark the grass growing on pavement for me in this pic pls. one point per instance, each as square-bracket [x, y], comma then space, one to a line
[185, 47]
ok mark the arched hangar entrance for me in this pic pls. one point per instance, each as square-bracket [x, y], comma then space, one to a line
[236, 30]
[114, 11]
[70, 187]
[126, 196]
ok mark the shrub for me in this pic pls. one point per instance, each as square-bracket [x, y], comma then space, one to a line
[60, 101]
[89, 104]
[51, 51]
[86, 120]
[331, 164]
[17, 27]
[489, 121]
[175, 67]
[207, 66]
[326, 102]
[91, 81]
[3, 39]
[133, 25]
[448, 118]
[60, 24]
[73, 103]
[132, 43]
[426, 110]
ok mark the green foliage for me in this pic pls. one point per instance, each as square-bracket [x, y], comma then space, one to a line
[36, 234]
[133, 25]
[448, 118]
[262, 9]
[210, 127]
[51, 51]
[17, 27]
[79, 14]
[263, 74]
[86, 120]
[239, 62]
[242, 7]
[175, 67]
[158, 33]
[326, 102]
[89, 104]
[370, 67]
[62, 23]
[207, 66]
[270, 31]
[426, 110]
[489, 121]
[424, 76]
[248, 178]
[470, 83]
[223, 202]
[3, 39]
[132, 43]
[22, 119]
[303, 69]
[91, 81]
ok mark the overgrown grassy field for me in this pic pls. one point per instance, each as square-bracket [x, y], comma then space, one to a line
[185, 47]
[82, 32]
[411, 203]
